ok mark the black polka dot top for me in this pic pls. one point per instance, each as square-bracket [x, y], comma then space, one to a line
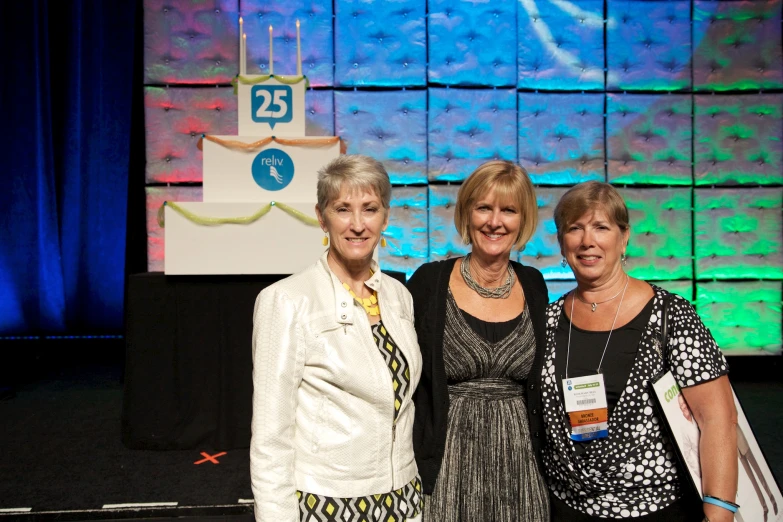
[633, 472]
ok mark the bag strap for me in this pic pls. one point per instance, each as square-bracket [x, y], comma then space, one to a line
[665, 331]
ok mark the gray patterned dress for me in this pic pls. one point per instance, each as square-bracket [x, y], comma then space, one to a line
[489, 471]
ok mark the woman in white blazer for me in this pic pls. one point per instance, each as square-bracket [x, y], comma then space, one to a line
[335, 364]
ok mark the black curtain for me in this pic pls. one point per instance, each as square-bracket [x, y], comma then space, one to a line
[67, 101]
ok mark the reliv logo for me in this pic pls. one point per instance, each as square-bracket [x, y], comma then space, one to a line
[271, 104]
[273, 169]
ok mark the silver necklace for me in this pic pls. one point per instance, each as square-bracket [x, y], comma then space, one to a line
[500, 292]
[571, 322]
[594, 305]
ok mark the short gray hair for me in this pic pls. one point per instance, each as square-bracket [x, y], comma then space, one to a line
[355, 172]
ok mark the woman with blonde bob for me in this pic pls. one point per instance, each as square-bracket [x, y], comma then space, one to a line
[335, 364]
[608, 330]
[480, 325]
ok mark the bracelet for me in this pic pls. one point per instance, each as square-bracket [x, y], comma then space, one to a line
[725, 504]
[705, 519]
[726, 501]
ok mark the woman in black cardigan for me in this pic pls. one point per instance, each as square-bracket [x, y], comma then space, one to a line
[480, 325]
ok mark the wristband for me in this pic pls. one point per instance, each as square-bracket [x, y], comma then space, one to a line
[731, 506]
[726, 501]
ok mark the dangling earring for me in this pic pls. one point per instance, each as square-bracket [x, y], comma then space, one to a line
[325, 240]
[624, 259]
[563, 262]
[383, 242]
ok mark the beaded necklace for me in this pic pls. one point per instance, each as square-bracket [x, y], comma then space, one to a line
[500, 292]
[370, 304]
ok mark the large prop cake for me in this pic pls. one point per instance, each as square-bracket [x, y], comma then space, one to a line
[257, 215]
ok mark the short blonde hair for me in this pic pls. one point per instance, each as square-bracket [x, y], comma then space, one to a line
[586, 197]
[355, 172]
[510, 182]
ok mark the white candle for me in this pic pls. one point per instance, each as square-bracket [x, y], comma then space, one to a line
[241, 48]
[298, 52]
[244, 54]
[271, 55]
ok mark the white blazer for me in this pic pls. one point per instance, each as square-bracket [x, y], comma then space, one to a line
[323, 402]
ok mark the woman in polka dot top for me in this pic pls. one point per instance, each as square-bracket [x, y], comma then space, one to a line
[610, 325]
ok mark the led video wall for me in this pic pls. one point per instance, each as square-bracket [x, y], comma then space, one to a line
[678, 103]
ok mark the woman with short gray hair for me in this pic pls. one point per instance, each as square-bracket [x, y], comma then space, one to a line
[335, 364]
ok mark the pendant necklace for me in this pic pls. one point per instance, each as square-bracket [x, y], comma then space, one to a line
[614, 321]
[594, 305]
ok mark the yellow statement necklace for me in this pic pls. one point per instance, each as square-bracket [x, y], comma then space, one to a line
[370, 304]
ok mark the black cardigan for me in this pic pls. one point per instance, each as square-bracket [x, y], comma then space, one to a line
[429, 287]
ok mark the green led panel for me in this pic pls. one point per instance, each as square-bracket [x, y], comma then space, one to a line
[738, 233]
[660, 245]
[738, 139]
[744, 317]
[681, 288]
[736, 45]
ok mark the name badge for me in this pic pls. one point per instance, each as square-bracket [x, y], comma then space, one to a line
[585, 403]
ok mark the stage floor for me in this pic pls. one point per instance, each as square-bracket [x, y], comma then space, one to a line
[61, 457]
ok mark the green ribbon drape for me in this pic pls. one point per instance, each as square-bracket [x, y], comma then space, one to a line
[288, 80]
[245, 220]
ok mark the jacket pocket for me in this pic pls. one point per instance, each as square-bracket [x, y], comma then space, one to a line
[332, 430]
[316, 429]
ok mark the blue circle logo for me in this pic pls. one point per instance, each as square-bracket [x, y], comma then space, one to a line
[273, 169]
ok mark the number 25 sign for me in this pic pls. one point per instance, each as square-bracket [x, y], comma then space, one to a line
[271, 104]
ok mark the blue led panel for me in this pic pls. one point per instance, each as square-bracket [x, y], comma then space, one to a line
[648, 45]
[557, 289]
[561, 137]
[542, 250]
[390, 126]
[407, 235]
[468, 127]
[380, 43]
[561, 45]
[444, 240]
[189, 42]
[649, 138]
[319, 113]
[472, 43]
[315, 34]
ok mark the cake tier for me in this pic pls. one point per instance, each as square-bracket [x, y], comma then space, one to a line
[252, 169]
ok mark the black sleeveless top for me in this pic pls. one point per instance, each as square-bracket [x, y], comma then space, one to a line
[490, 331]
[587, 347]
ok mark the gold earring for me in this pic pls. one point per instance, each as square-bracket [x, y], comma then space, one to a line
[325, 241]
[383, 242]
